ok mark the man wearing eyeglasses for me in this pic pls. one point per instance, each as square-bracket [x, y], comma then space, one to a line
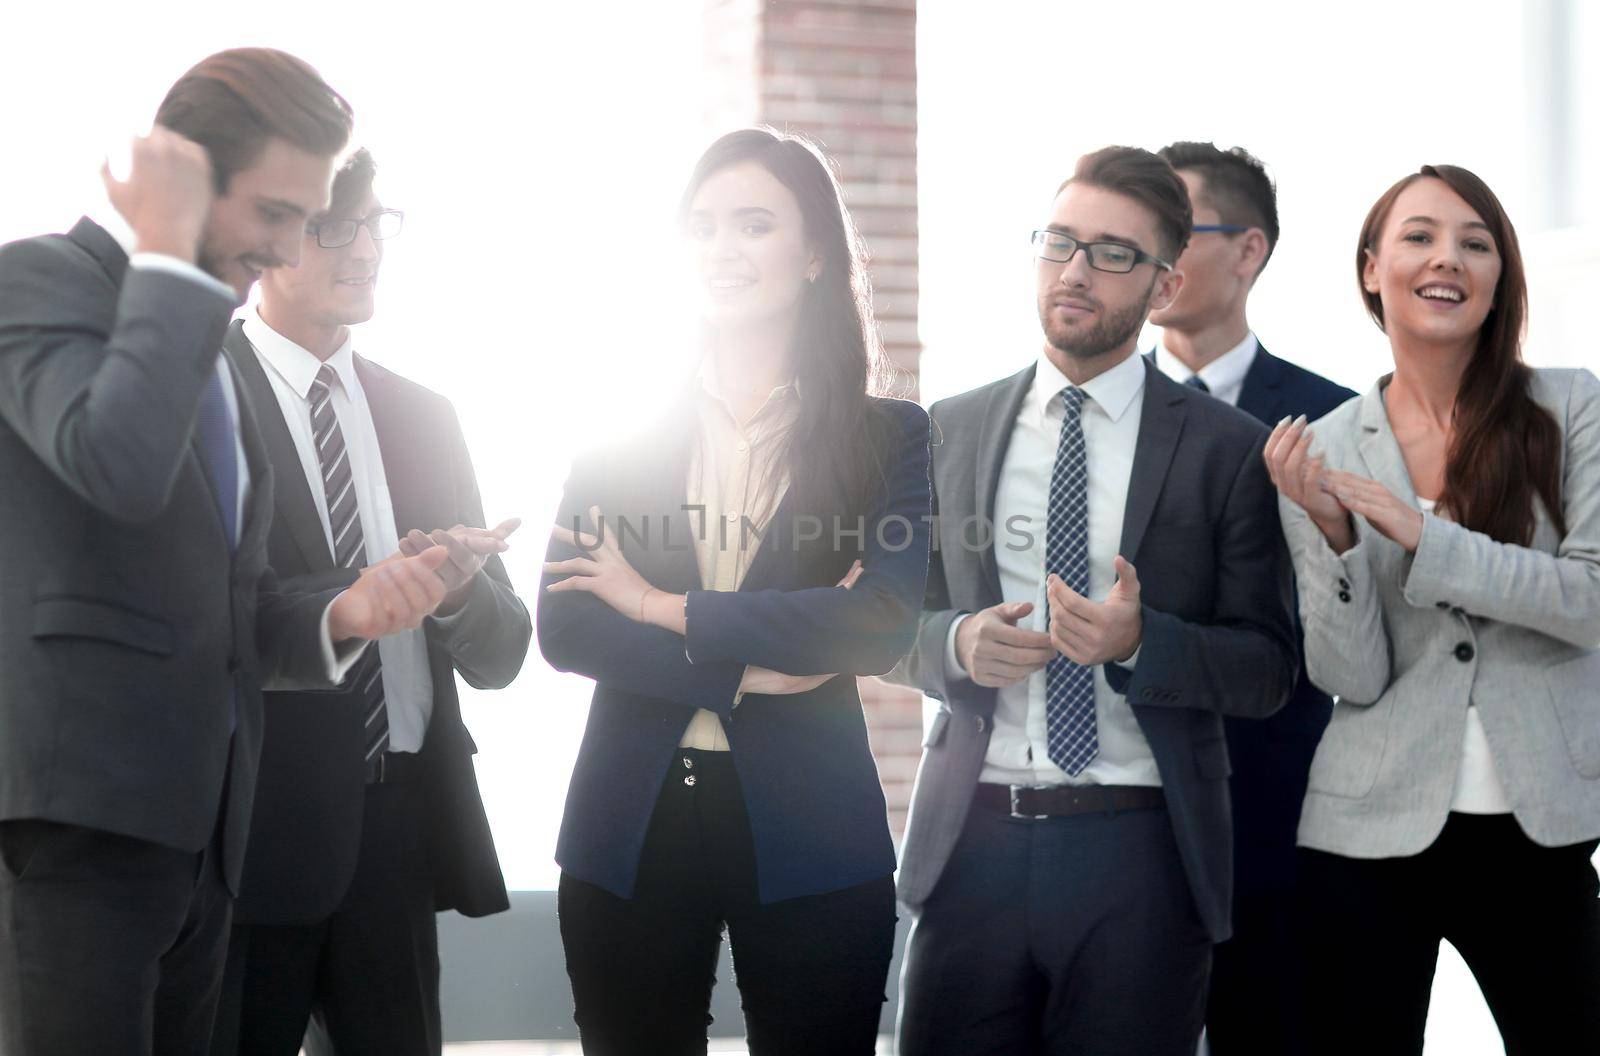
[1257, 981]
[1068, 855]
[367, 815]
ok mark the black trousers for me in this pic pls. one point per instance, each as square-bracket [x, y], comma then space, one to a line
[108, 945]
[811, 971]
[1525, 919]
[365, 981]
[1071, 936]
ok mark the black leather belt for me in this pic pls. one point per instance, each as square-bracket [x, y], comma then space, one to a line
[1059, 801]
[387, 768]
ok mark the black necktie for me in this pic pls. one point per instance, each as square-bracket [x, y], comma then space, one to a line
[1194, 381]
[349, 546]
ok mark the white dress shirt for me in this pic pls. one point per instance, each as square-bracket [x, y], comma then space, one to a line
[336, 661]
[1478, 789]
[1018, 745]
[407, 679]
[1224, 376]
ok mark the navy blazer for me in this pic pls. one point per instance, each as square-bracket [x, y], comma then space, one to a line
[816, 807]
[1272, 757]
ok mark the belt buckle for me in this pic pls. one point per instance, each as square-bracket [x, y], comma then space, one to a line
[1016, 802]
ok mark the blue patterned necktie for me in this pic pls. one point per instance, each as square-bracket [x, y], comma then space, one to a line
[1072, 735]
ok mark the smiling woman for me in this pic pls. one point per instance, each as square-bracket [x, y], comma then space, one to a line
[1446, 561]
[725, 778]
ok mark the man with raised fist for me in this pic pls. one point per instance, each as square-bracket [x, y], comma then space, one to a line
[138, 618]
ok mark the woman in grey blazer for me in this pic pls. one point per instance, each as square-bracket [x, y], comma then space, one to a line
[1445, 530]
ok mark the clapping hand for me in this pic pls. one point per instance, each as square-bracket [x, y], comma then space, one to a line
[468, 548]
[1090, 632]
[394, 595]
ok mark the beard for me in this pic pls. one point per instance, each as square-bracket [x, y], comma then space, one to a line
[1113, 329]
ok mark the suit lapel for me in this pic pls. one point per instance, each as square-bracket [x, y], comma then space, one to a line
[1259, 397]
[1162, 414]
[1381, 451]
[994, 440]
[292, 499]
[259, 510]
[402, 464]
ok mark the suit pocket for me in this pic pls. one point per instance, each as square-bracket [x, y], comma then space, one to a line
[1352, 749]
[71, 617]
[1575, 691]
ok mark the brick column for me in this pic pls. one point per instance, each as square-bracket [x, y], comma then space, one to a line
[844, 73]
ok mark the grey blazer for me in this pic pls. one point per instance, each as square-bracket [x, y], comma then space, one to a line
[134, 641]
[1201, 527]
[1405, 642]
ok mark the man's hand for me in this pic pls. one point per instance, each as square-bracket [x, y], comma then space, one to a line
[167, 195]
[468, 548]
[1088, 632]
[391, 596]
[995, 652]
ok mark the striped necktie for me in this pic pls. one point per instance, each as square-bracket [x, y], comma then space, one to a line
[1071, 732]
[349, 546]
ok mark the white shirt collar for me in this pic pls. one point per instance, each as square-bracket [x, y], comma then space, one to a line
[1225, 372]
[295, 365]
[1113, 391]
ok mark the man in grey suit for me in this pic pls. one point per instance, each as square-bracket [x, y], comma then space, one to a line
[138, 619]
[1109, 583]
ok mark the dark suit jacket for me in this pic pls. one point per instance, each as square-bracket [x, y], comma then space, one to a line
[131, 639]
[816, 808]
[1272, 758]
[307, 826]
[1201, 527]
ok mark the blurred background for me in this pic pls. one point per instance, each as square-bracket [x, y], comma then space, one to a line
[538, 151]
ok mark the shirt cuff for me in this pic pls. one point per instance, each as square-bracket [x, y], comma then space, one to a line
[1133, 659]
[952, 663]
[337, 661]
[174, 266]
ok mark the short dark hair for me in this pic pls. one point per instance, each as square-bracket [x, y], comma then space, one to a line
[233, 102]
[353, 181]
[1148, 180]
[1234, 182]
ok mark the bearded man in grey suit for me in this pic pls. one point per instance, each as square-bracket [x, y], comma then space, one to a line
[138, 619]
[1110, 582]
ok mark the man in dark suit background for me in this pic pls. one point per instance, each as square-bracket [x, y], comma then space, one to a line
[1068, 854]
[367, 815]
[1257, 979]
[138, 619]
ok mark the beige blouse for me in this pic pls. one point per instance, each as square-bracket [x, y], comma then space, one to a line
[735, 475]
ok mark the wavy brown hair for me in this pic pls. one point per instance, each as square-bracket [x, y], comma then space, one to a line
[1507, 449]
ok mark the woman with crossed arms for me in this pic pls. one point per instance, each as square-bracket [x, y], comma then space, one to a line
[1445, 529]
[724, 777]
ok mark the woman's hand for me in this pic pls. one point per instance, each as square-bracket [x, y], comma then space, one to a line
[1298, 475]
[776, 683]
[605, 573]
[1381, 507]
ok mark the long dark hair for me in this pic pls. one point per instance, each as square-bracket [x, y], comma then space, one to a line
[834, 453]
[1506, 449]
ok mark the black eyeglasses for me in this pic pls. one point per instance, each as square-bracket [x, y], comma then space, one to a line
[1113, 257]
[331, 234]
[1224, 229]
